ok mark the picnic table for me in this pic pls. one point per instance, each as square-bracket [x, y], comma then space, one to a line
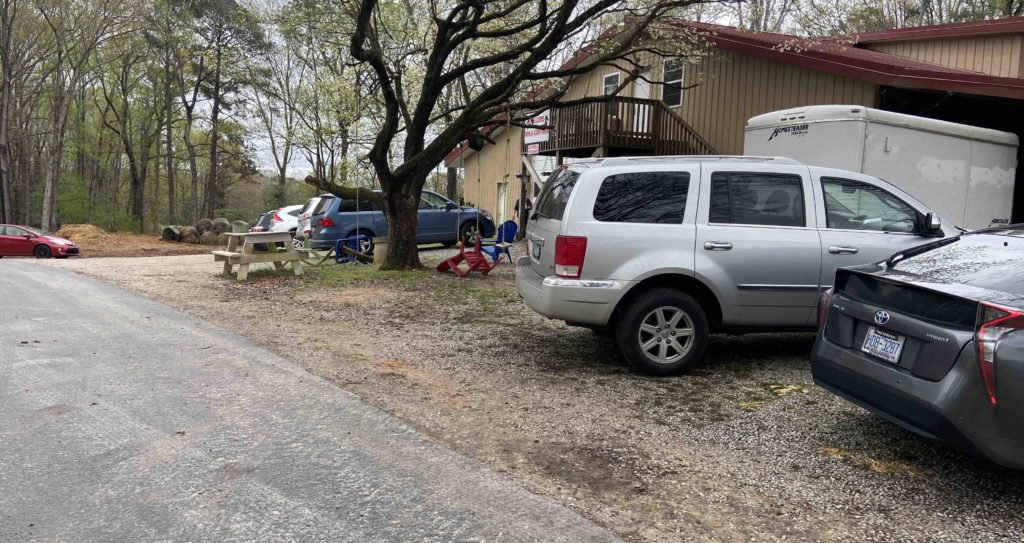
[249, 254]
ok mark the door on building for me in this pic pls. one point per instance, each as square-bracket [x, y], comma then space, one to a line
[642, 90]
[502, 201]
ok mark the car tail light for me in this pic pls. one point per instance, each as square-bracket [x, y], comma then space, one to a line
[994, 322]
[325, 222]
[256, 229]
[276, 217]
[823, 305]
[569, 254]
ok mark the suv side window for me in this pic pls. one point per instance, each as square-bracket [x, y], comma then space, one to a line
[552, 200]
[348, 205]
[852, 205]
[644, 197]
[757, 198]
[431, 201]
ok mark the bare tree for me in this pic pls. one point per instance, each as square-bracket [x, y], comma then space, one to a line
[414, 57]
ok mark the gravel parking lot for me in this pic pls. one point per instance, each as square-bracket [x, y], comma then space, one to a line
[745, 447]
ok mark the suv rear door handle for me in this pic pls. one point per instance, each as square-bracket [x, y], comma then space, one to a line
[717, 245]
[842, 250]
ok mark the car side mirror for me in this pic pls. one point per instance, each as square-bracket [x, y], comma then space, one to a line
[450, 206]
[932, 223]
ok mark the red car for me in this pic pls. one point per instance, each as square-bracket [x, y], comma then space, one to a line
[26, 241]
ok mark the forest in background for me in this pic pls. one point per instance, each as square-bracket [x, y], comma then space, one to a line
[131, 114]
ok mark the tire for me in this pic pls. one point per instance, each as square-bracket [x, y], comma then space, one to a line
[643, 323]
[41, 251]
[469, 232]
[365, 247]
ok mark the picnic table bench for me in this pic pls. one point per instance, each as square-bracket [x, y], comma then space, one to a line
[249, 254]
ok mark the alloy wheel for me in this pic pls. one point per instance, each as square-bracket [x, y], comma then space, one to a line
[666, 335]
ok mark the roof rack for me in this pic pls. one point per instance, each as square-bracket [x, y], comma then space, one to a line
[618, 161]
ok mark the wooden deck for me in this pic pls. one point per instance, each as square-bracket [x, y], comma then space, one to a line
[621, 125]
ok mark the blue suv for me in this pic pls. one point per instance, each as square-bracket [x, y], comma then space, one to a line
[440, 221]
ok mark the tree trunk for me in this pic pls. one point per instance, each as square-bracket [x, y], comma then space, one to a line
[452, 184]
[169, 152]
[211, 183]
[48, 219]
[401, 211]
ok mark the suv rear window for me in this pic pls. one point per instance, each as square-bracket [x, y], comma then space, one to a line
[757, 198]
[321, 206]
[644, 197]
[552, 200]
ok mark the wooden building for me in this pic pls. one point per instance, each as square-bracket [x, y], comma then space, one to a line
[966, 72]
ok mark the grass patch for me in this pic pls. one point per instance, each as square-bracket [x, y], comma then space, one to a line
[359, 275]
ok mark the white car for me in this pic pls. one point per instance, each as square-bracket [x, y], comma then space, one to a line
[302, 232]
[285, 219]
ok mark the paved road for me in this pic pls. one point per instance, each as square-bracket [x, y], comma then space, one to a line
[124, 420]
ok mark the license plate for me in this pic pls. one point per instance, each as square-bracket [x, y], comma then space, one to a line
[535, 249]
[884, 345]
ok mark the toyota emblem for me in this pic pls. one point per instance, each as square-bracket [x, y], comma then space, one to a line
[881, 317]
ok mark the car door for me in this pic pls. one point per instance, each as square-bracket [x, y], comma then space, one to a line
[5, 249]
[757, 244]
[436, 222]
[861, 221]
[18, 242]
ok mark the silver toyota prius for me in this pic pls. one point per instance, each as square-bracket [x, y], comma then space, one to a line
[932, 339]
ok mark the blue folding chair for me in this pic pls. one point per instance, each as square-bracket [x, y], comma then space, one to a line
[354, 243]
[506, 235]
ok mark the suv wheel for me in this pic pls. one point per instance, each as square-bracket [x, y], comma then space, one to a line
[663, 332]
[470, 231]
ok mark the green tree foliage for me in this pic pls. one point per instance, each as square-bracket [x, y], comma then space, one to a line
[130, 114]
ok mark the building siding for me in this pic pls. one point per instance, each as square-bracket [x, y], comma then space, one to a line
[992, 55]
[732, 88]
[494, 164]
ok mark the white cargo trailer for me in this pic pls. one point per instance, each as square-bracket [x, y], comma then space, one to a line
[964, 173]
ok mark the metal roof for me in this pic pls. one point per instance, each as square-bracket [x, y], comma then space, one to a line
[836, 57]
[1010, 25]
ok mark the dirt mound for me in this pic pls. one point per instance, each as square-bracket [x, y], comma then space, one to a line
[82, 233]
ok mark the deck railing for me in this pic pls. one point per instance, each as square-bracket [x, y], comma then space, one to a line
[622, 123]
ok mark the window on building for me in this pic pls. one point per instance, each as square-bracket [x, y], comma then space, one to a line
[672, 77]
[757, 198]
[611, 84]
[852, 205]
[646, 197]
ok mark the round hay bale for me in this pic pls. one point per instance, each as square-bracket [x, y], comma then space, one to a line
[170, 233]
[239, 227]
[189, 235]
[82, 233]
[220, 226]
[222, 239]
[208, 238]
[203, 225]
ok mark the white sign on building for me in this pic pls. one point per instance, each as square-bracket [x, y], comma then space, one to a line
[533, 133]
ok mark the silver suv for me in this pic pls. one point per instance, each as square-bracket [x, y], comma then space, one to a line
[662, 251]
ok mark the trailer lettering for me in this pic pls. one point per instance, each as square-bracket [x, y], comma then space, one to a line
[796, 130]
